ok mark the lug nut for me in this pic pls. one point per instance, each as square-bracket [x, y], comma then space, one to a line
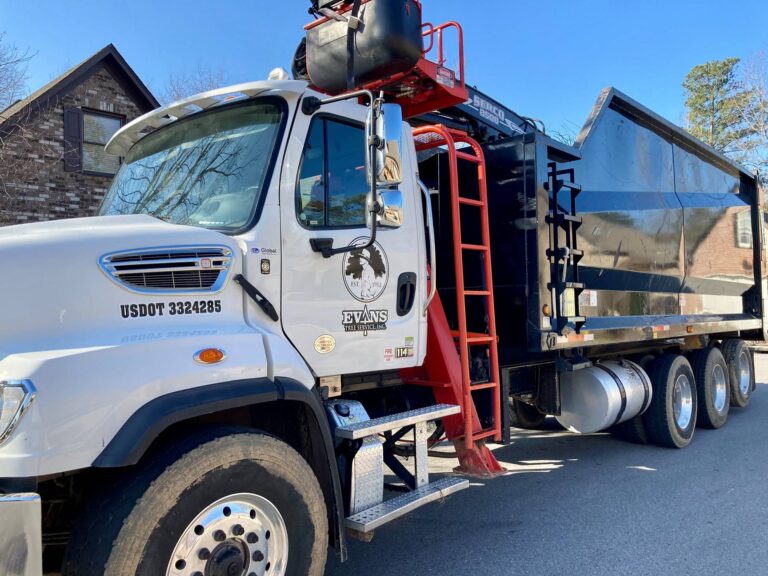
[238, 530]
[204, 554]
[219, 536]
[252, 538]
[258, 556]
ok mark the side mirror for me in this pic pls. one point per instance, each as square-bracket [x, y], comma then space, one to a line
[389, 129]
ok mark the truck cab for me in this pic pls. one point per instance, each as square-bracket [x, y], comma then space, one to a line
[277, 181]
[247, 256]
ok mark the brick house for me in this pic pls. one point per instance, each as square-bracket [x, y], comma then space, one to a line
[52, 159]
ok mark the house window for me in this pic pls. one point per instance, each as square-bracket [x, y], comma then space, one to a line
[97, 130]
[85, 134]
[332, 187]
[744, 229]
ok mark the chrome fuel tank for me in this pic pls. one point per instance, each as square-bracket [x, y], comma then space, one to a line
[603, 395]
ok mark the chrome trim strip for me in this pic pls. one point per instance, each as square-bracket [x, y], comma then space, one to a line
[110, 268]
[29, 395]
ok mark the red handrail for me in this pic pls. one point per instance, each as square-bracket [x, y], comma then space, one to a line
[441, 59]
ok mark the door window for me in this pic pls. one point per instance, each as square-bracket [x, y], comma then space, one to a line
[332, 187]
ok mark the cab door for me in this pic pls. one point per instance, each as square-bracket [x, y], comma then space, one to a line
[362, 310]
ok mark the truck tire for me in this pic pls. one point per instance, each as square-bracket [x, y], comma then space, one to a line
[525, 416]
[671, 418]
[741, 370]
[227, 502]
[713, 389]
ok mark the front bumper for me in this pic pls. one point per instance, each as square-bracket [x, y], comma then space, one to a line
[21, 550]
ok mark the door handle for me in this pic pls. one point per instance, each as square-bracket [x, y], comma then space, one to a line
[406, 292]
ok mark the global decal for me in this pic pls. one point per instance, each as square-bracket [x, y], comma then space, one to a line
[364, 320]
[365, 271]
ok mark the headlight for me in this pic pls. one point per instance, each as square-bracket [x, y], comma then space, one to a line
[15, 398]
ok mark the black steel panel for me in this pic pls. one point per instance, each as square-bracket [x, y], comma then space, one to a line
[668, 236]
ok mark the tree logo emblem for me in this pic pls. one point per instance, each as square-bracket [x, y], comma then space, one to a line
[365, 271]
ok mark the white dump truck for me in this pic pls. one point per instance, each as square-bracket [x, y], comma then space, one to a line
[210, 377]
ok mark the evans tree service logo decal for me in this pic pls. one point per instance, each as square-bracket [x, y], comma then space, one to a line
[365, 271]
[364, 320]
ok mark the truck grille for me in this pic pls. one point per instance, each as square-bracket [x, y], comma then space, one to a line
[184, 269]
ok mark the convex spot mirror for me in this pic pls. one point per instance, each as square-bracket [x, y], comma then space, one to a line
[390, 209]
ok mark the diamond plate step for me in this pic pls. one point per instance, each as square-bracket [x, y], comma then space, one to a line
[380, 514]
[395, 421]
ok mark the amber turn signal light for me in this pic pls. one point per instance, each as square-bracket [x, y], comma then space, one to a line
[209, 356]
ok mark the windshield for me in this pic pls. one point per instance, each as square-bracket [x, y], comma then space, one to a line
[207, 171]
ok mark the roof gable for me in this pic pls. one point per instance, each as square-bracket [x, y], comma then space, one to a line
[114, 62]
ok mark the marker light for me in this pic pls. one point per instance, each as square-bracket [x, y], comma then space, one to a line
[209, 356]
[15, 398]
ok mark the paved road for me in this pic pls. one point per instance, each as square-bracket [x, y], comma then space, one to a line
[594, 505]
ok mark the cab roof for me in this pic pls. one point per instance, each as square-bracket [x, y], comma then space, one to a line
[128, 135]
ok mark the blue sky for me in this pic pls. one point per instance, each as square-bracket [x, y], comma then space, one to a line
[546, 60]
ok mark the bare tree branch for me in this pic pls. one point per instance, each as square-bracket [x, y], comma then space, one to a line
[183, 84]
[13, 72]
[754, 113]
[24, 155]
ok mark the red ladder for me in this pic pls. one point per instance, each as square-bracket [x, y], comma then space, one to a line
[451, 380]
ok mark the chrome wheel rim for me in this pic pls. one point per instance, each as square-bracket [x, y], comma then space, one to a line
[745, 373]
[238, 535]
[682, 401]
[718, 388]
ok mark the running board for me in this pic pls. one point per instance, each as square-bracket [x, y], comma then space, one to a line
[375, 516]
[364, 428]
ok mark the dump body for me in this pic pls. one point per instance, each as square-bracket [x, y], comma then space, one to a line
[669, 230]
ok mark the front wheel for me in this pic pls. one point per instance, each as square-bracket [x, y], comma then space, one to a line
[231, 502]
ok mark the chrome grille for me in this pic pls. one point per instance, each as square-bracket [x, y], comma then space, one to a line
[183, 269]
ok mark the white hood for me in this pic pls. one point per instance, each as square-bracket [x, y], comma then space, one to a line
[53, 290]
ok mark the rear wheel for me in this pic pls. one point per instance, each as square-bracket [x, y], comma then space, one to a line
[671, 418]
[525, 416]
[741, 371]
[713, 389]
[231, 502]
